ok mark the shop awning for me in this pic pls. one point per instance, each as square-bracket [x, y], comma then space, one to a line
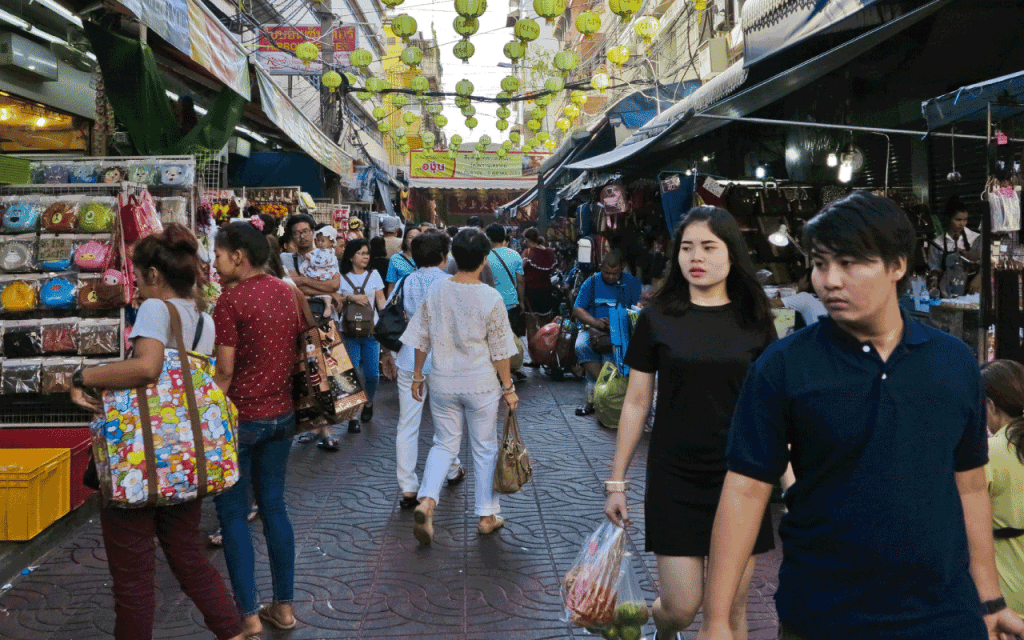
[971, 102]
[522, 200]
[385, 195]
[586, 180]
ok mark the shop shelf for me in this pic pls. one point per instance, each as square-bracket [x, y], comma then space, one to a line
[77, 439]
[33, 490]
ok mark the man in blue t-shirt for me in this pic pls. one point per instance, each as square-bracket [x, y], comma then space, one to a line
[888, 532]
[599, 294]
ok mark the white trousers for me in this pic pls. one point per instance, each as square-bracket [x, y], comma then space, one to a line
[410, 416]
[451, 411]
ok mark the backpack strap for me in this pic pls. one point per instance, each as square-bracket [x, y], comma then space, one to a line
[199, 332]
[356, 290]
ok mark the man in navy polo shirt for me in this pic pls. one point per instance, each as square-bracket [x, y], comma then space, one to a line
[889, 529]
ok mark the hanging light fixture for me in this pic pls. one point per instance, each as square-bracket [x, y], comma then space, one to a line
[846, 171]
[832, 160]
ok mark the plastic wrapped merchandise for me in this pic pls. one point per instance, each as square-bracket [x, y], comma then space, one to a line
[60, 214]
[55, 253]
[55, 173]
[55, 374]
[142, 173]
[97, 215]
[22, 215]
[19, 293]
[93, 254]
[173, 210]
[59, 335]
[21, 376]
[18, 253]
[99, 337]
[84, 173]
[22, 339]
[59, 292]
[107, 291]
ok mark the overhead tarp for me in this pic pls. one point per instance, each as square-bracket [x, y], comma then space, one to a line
[385, 195]
[192, 29]
[296, 125]
[971, 102]
[770, 26]
[586, 180]
[277, 169]
[522, 200]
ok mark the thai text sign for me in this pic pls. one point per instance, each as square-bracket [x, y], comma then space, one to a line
[277, 48]
[488, 166]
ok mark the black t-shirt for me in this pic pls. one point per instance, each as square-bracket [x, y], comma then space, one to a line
[701, 359]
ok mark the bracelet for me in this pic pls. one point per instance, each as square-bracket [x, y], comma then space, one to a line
[423, 379]
[505, 391]
[511, 386]
[615, 486]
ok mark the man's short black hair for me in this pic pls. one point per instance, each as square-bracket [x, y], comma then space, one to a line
[470, 248]
[430, 248]
[475, 221]
[294, 220]
[451, 230]
[863, 226]
[496, 233]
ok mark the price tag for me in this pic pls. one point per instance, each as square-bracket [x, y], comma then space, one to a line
[1001, 138]
[713, 187]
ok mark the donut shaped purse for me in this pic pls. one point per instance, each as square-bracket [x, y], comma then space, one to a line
[91, 256]
[83, 175]
[60, 216]
[96, 217]
[17, 256]
[18, 296]
[58, 293]
[22, 216]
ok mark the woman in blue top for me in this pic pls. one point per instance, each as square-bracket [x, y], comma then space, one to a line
[401, 264]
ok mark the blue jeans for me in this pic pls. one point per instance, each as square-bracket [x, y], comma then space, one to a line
[263, 447]
[585, 354]
[365, 355]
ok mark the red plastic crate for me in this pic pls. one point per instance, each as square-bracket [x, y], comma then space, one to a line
[77, 439]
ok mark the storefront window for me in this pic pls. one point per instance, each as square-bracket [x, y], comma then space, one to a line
[28, 126]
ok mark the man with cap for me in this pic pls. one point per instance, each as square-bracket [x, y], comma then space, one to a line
[391, 227]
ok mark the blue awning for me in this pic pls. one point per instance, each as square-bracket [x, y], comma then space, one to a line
[971, 102]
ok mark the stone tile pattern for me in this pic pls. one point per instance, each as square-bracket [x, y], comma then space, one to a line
[360, 573]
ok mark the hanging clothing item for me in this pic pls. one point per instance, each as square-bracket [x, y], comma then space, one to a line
[1004, 206]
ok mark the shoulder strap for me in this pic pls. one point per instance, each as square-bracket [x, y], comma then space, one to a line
[507, 270]
[366, 279]
[355, 289]
[295, 261]
[411, 263]
[190, 401]
[199, 332]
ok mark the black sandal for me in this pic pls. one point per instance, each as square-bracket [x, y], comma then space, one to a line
[328, 444]
[305, 438]
[586, 409]
[409, 503]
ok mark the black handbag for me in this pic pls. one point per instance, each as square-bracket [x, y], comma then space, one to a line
[392, 321]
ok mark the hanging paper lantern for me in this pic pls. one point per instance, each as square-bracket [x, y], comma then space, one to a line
[537, 114]
[572, 112]
[428, 139]
[409, 118]
[363, 96]
[507, 145]
[456, 141]
[434, 109]
[464, 88]
[307, 52]
[566, 62]
[554, 85]
[563, 124]
[480, 146]
[588, 23]
[624, 8]
[504, 113]
[398, 100]
[527, 30]
[471, 123]
[361, 59]
[466, 27]
[419, 84]
[469, 111]
[470, 8]
[440, 120]
[404, 26]
[503, 98]
[502, 152]
[533, 125]
[600, 81]
[379, 113]
[476, 155]
[514, 50]
[501, 125]
[510, 84]
[411, 56]
[618, 55]
[485, 140]
[550, 9]
[404, 148]
[578, 98]
[391, 4]
[331, 80]
[464, 50]
[544, 100]
[515, 137]
[542, 136]
[374, 85]
[385, 85]
[402, 141]
[462, 101]
[550, 144]
[452, 153]
[352, 78]
[383, 127]
[647, 27]
[400, 132]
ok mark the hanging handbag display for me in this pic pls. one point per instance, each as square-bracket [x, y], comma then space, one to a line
[773, 202]
[357, 320]
[741, 202]
[513, 469]
[393, 321]
[171, 442]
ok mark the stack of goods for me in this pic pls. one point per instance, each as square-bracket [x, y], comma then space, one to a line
[152, 172]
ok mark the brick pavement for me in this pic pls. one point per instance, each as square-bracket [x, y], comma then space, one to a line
[360, 573]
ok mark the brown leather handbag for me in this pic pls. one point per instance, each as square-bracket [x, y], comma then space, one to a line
[513, 469]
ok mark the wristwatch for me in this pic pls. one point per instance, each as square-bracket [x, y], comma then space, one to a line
[994, 606]
[77, 380]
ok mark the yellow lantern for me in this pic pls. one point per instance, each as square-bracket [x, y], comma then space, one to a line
[398, 100]
[465, 27]
[331, 80]
[470, 8]
[515, 137]
[404, 26]
[510, 84]
[408, 118]
[464, 50]
[412, 56]
[550, 9]
[428, 139]
[501, 125]
[307, 52]
[361, 59]
[502, 152]
[563, 124]
[542, 135]
[600, 81]
[578, 98]
[618, 55]
[624, 8]
[419, 84]
[572, 112]
[471, 122]
[566, 62]
[647, 27]
[514, 50]
[533, 125]
[588, 23]
[549, 144]
[526, 30]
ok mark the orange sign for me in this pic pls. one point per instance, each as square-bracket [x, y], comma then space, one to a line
[277, 48]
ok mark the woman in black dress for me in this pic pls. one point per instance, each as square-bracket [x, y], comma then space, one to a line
[701, 332]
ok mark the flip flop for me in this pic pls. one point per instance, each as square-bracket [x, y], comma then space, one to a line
[586, 410]
[328, 444]
[215, 539]
[306, 438]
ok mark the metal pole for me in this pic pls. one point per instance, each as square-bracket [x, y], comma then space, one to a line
[327, 124]
[845, 127]
[986, 298]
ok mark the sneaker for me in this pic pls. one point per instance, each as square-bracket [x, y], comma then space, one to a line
[367, 413]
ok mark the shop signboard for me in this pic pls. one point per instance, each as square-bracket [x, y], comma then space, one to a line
[277, 44]
[488, 166]
[168, 18]
[339, 217]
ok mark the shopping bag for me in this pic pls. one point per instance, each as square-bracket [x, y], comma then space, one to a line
[631, 612]
[544, 344]
[534, 323]
[609, 394]
[170, 442]
[513, 469]
[393, 321]
[590, 588]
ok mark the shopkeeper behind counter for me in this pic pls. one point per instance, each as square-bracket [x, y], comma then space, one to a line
[803, 301]
[957, 240]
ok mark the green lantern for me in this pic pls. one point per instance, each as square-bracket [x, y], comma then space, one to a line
[307, 52]
[419, 84]
[544, 100]
[363, 95]
[471, 122]
[527, 30]
[398, 100]
[462, 102]
[440, 120]
[464, 50]
[501, 125]
[588, 23]
[624, 8]
[464, 88]
[510, 84]
[428, 139]
[504, 113]
[434, 109]
[404, 26]
[533, 125]
[374, 85]
[404, 148]
[385, 84]
[554, 85]
[503, 98]
[409, 118]
[402, 141]
[470, 8]
[542, 136]
[566, 62]
[550, 9]
[456, 141]
[383, 127]
[391, 4]
[514, 50]
[400, 132]
[361, 59]
[379, 113]
[502, 152]
[352, 78]
[466, 27]
[485, 140]
[537, 114]
[507, 145]
[578, 98]
[412, 56]
[469, 111]
[480, 146]
[515, 137]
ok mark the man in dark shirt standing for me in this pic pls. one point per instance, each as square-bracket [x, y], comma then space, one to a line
[889, 529]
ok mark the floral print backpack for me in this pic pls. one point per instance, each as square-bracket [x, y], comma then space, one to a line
[170, 442]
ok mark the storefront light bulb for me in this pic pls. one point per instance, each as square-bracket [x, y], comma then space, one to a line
[41, 122]
[689, 173]
[832, 160]
[760, 173]
[3, 114]
[845, 172]
[706, 158]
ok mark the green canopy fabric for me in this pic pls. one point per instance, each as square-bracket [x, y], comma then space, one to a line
[135, 89]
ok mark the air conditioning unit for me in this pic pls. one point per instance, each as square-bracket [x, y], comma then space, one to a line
[26, 56]
[239, 146]
[712, 58]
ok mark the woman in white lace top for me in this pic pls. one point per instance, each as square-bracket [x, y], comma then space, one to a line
[464, 323]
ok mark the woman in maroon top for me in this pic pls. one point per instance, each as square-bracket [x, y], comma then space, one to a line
[258, 326]
[539, 264]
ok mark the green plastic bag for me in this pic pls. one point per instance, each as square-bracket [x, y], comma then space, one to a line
[609, 394]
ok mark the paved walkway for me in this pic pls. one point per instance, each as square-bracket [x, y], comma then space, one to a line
[360, 573]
